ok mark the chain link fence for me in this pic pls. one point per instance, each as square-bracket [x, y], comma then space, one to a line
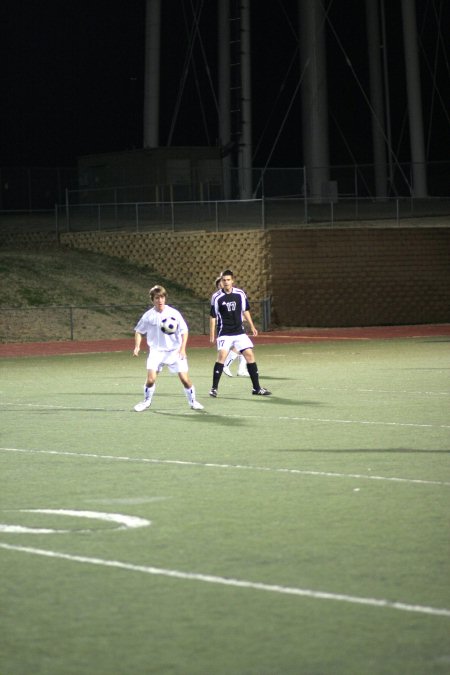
[44, 200]
[101, 322]
[265, 214]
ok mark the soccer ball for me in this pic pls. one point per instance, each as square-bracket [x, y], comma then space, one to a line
[169, 325]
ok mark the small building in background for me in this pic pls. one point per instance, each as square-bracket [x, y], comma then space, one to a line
[162, 174]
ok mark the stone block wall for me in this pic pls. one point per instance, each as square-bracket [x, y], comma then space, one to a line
[355, 276]
[360, 277]
[192, 259]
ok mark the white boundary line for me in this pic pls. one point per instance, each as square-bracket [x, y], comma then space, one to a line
[240, 467]
[326, 420]
[237, 583]
[266, 418]
[125, 522]
[398, 392]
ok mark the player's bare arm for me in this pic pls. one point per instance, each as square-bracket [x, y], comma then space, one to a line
[182, 350]
[248, 318]
[137, 343]
[212, 329]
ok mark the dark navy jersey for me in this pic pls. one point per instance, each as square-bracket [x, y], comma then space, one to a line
[228, 309]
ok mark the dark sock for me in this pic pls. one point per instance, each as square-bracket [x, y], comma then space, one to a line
[253, 372]
[217, 372]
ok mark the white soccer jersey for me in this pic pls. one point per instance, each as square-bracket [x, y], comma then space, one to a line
[150, 325]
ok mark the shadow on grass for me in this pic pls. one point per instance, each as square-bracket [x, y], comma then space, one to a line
[289, 401]
[275, 378]
[204, 417]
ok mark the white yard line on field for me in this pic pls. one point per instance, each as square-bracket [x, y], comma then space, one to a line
[236, 583]
[326, 420]
[240, 467]
[265, 418]
[379, 391]
[124, 522]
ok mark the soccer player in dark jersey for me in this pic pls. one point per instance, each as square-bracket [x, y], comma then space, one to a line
[233, 353]
[228, 306]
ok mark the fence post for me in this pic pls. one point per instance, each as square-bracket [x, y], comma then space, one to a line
[29, 189]
[204, 318]
[67, 210]
[305, 194]
[56, 224]
[266, 307]
[71, 321]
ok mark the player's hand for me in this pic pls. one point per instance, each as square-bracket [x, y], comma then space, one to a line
[136, 351]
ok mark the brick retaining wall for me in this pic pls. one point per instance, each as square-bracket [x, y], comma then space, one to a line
[192, 259]
[316, 277]
[360, 277]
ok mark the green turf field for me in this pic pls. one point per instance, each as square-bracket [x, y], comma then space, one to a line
[306, 533]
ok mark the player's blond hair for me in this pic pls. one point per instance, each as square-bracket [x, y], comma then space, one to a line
[157, 290]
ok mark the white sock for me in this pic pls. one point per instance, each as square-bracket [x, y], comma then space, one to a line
[230, 358]
[242, 362]
[148, 392]
[190, 394]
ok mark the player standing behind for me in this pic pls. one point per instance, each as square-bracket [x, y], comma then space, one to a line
[164, 349]
[233, 354]
[229, 306]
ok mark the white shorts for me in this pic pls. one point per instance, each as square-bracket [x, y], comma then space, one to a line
[158, 358]
[241, 342]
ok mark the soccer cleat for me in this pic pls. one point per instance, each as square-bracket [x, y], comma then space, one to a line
[213, 392]
[243, 373]
[143, 405]
[227, 371]
[261, 392]
[196, 406]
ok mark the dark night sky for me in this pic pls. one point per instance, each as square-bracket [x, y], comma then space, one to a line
[73, 80]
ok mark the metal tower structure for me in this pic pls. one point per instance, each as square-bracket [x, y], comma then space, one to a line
[234, 113]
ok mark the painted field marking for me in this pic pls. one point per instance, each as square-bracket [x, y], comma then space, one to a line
[240, 467]
[125, 522]
[326, 420]
[265, 418]
[379, 391]
[236, 583]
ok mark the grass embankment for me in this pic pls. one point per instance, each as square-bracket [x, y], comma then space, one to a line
[50, 291]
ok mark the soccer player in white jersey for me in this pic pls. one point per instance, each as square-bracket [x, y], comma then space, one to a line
[164, 349]
[229, 305]
[233, 354]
